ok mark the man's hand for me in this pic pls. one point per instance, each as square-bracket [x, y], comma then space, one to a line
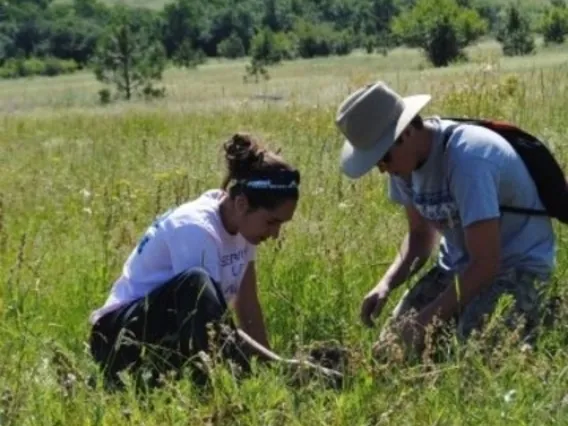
[482, 240]
[373, 304]
[408, 333]
[414, 252]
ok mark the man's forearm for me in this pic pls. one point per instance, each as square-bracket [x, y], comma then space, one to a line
[414, 252]
[475, 279]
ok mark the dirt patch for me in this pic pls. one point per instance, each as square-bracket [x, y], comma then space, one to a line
[329, 354]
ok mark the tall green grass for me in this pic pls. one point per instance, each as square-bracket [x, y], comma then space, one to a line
[80, 183]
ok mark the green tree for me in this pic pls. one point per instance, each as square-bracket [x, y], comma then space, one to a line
[232, 47]
[372, 23]
[554, 25]
[240, 18]
[91, 9]
[27, 25]
[441, 28]
[322, 39]
[130, 55]
[187, 56]
[342, 14]
[264, 52]
[185, 26]
[73, 37]
[278, 15]
[515, 36]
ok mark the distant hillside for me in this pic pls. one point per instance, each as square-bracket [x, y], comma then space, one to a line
[46, 32]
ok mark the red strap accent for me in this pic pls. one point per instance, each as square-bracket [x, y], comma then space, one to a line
[503, 125]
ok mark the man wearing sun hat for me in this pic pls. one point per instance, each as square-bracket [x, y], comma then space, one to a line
[451, 180]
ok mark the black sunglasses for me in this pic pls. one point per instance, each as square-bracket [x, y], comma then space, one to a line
[388, 156]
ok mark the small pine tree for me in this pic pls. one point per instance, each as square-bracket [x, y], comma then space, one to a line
[130, 56]
[264, 52]
[256, 69]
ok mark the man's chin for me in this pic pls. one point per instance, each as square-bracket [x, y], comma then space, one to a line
[256, 241]
[404, 176]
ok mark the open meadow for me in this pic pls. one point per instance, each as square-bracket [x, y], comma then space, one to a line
[80, 182]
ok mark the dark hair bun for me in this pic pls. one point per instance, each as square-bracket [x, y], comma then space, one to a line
[243, 155]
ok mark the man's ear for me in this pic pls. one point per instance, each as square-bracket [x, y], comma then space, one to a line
[241, 204]
[407, 132]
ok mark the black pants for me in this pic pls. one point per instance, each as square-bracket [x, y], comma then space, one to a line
[165, 329]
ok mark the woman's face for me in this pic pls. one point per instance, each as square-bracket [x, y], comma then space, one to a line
[260, 224]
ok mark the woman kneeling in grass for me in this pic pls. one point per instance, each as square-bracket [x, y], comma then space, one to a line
[190, 263]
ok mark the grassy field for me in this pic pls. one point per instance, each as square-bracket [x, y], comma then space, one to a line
[80, 182]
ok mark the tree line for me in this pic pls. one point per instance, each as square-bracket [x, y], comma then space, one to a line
[49, 37]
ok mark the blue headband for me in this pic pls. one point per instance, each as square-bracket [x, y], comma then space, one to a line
[268, 184]
[281, 180]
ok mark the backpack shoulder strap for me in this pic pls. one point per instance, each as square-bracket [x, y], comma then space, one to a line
[447, 134]
[495, 126]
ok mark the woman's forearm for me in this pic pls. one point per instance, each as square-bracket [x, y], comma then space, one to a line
[251, 346]
[252, 323]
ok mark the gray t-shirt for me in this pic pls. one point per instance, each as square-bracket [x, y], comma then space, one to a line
[466, 183]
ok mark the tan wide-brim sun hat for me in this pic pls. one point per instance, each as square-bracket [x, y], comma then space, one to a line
[371, 119]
